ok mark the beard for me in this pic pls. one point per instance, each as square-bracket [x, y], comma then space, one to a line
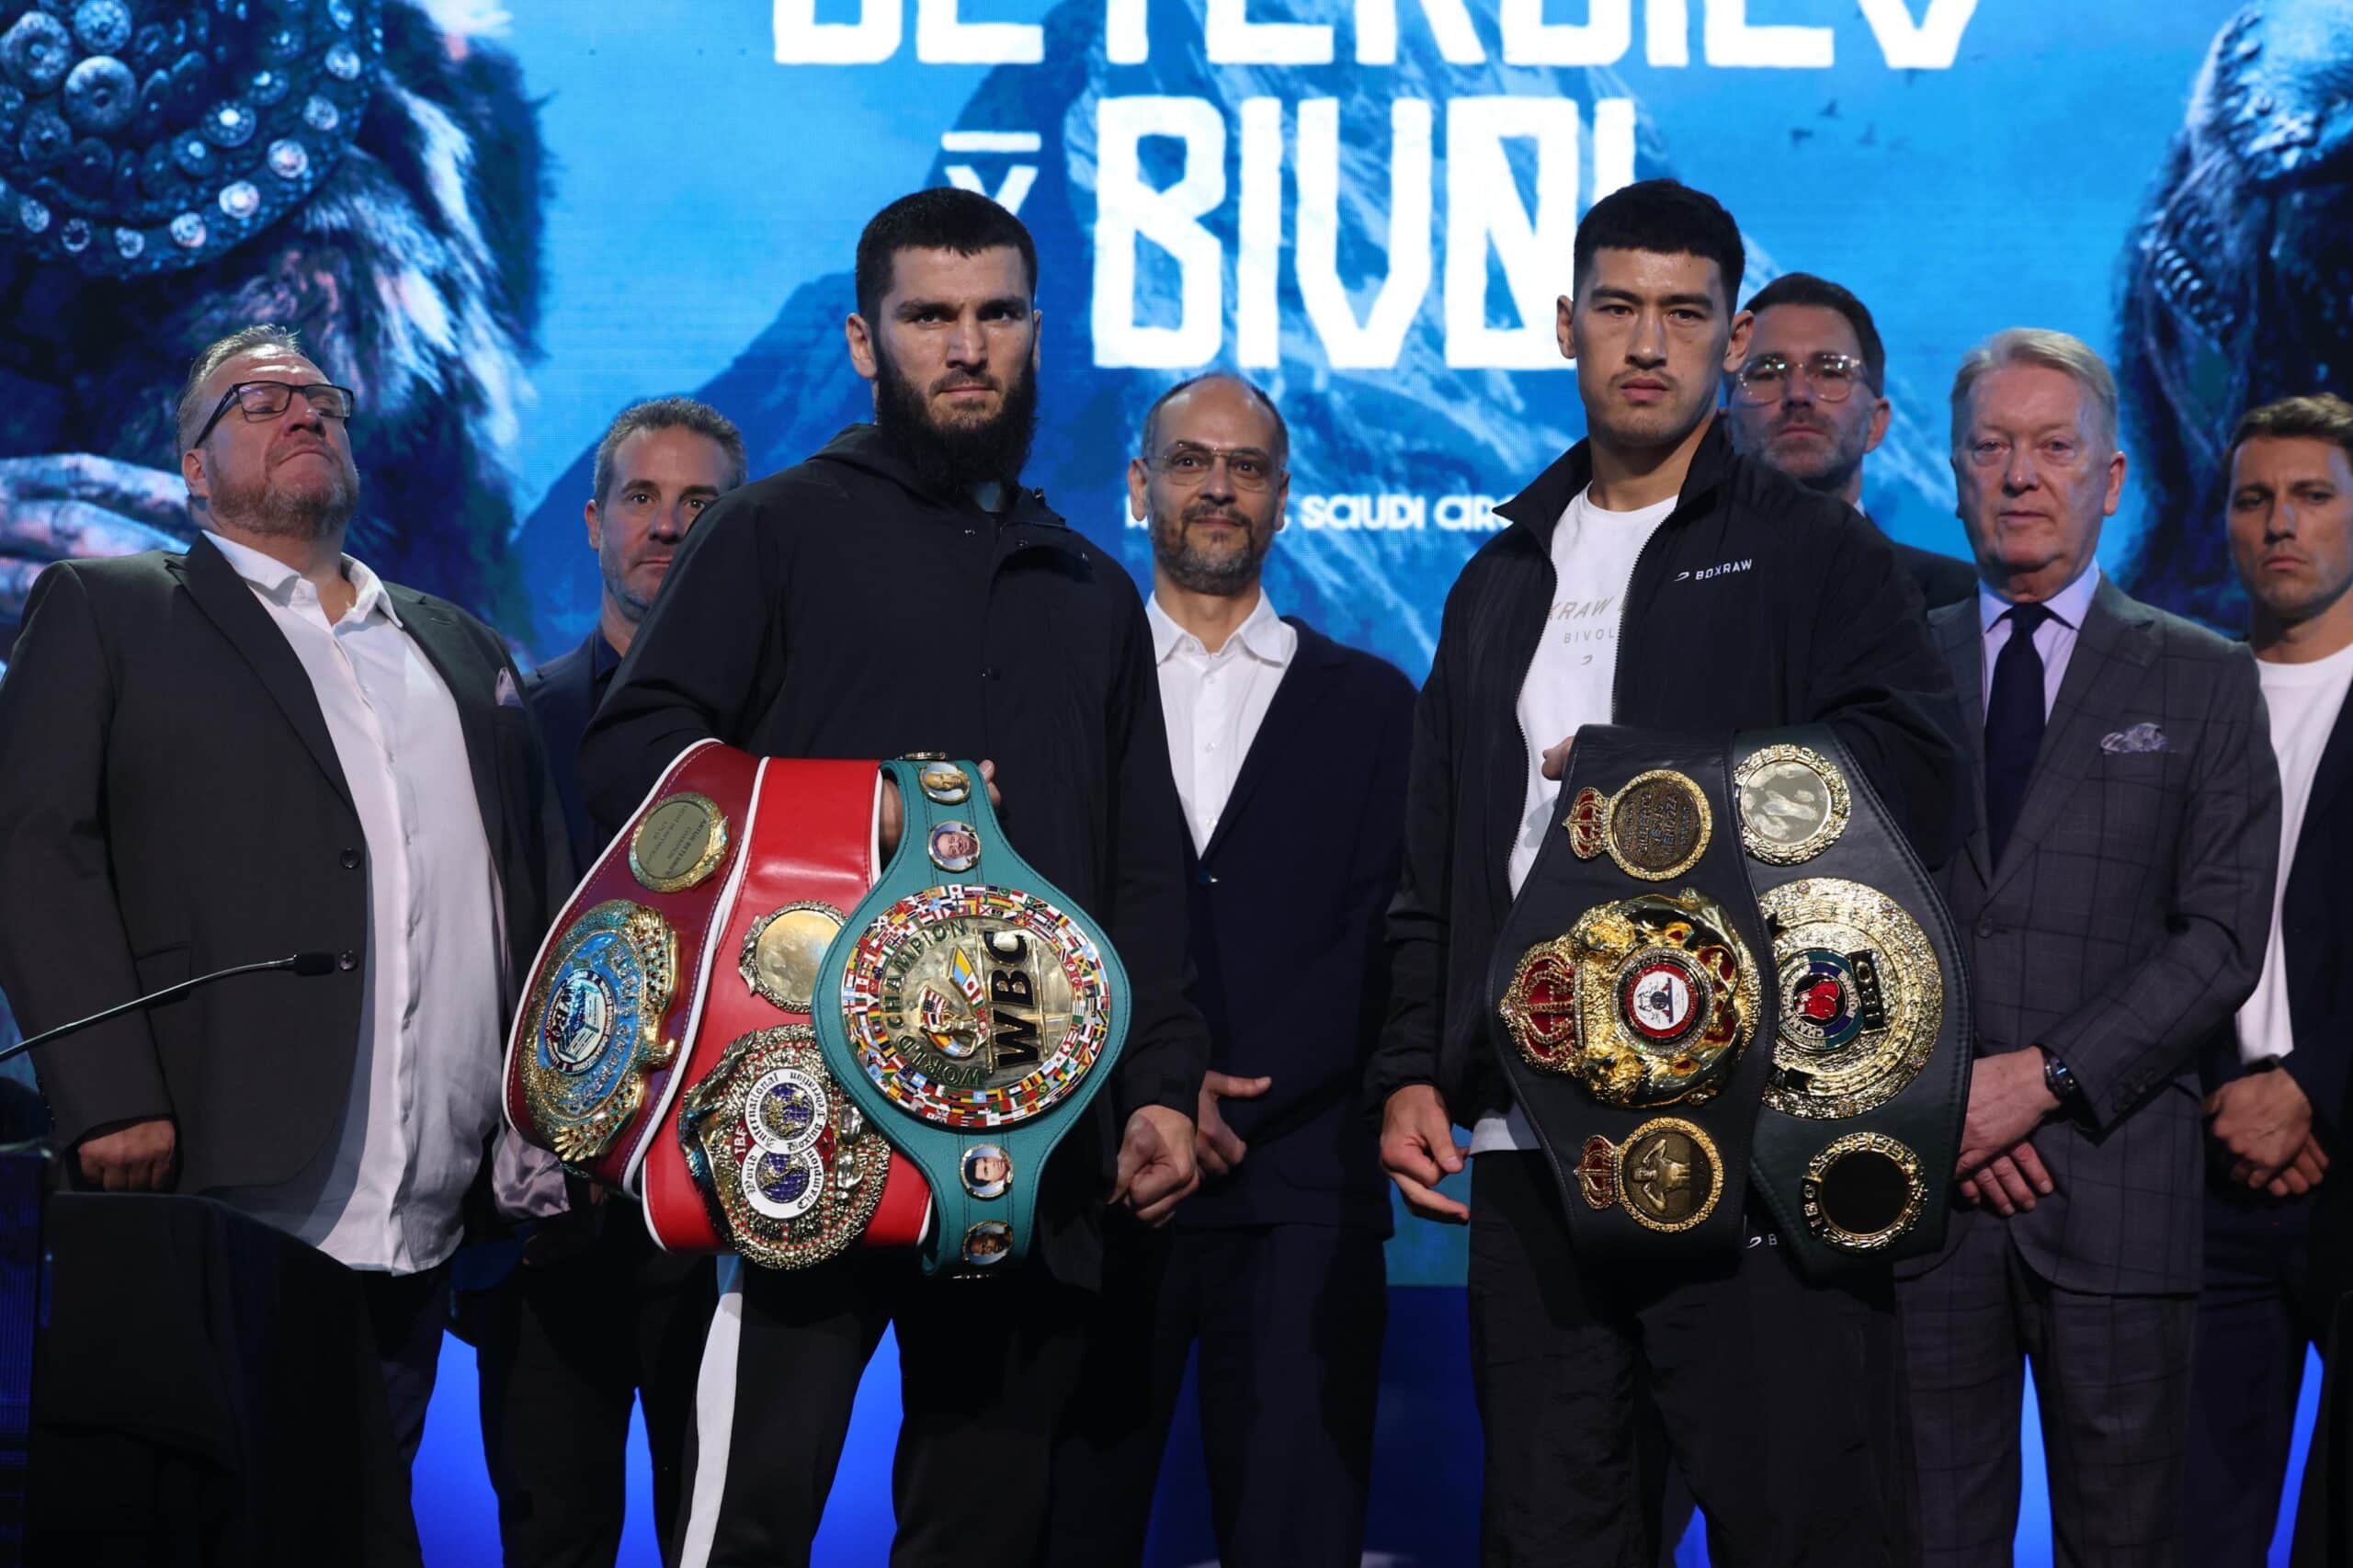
[1197, 570]
[958, 458]
[276, 511]
[1830, 466]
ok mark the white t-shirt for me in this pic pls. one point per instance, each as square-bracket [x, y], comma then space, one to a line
[2305, 701]
[1567, 687]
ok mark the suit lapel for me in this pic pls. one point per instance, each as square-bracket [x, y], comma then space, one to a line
[2336, 770]
[2111, 651]
[452, 652]
[1962, 642]
[228, 601]
[1286, 714]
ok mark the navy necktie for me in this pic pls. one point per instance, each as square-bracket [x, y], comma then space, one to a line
[2013, 723]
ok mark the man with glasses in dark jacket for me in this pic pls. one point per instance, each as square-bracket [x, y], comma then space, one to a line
[1811, 399]
[1650, 577]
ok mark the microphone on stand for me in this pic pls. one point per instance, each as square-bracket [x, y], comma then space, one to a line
[299, 963]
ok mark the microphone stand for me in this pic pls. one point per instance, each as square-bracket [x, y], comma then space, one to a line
[300, 963]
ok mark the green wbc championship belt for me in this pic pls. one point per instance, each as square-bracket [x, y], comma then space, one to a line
[976, 1012]
[1860, 1124]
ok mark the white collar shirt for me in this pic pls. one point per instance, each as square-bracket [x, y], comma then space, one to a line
[1213, 703]
[383, 1194]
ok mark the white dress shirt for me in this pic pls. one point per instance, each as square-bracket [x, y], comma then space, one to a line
[384, 1191]
[2303, 700]
[1213, 703]
[1568, 685]
[2055, 639]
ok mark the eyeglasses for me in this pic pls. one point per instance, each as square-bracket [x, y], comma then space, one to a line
[266, 400]
[1833, 377]
[1188, 465]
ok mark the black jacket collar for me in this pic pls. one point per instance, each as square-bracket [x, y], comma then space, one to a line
[865, 448]
[1537, 508]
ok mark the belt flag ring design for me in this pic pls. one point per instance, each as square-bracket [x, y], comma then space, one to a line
[972, 1012]
[975, 1006]
[596, 1017]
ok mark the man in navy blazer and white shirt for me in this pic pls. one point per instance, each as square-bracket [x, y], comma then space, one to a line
[1289, 754]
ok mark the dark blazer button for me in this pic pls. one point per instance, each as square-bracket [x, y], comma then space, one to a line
[351, 860]
[1985, 927]
[346, 960]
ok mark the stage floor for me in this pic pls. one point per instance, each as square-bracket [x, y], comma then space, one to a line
[1425, 1511]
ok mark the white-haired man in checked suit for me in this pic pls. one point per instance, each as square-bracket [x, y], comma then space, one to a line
[2115, 895]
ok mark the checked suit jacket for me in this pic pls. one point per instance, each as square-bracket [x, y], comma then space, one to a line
[2123, 926]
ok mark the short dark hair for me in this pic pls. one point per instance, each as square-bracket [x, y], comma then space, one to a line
[1805, 289]
[670, 414]
[1152, 415]
[2323, 416]
[943, 218]
[1666, 218]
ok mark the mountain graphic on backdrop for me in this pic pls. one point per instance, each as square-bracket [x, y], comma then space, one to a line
[1421, 427]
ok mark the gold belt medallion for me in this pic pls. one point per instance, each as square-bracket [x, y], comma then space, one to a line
[787, 1163]
[1794, 804]
[1669, 1175]
[784, 950]
[1655, 828]
[1646, 1001]
[680, 842]
[1863, 1191]
[1862, 998]
[596, 1013]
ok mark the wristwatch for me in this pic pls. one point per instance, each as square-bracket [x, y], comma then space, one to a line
[2060, 1082]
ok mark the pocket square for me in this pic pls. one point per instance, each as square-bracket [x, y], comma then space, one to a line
[507, 696]
[2139, 738]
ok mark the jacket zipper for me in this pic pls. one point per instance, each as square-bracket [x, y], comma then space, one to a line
[1625, 607]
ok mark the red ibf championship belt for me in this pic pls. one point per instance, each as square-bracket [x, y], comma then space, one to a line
[665, 1045]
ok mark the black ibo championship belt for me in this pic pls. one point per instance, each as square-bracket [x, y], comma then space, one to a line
[971, 1011]
[1631, 999]
[1713, 973]
[1860, 1124]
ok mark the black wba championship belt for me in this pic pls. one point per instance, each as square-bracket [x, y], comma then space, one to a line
[1860, 1125]
[1631, 994]
[1717, 971]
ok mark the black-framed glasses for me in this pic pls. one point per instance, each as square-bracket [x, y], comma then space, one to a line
[1833, 377]
[1188, 464]
[267, 399]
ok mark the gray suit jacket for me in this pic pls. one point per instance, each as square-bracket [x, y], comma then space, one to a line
[2123, 927]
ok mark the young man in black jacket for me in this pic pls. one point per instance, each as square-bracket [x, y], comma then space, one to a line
[1650, 577]
[900, 591]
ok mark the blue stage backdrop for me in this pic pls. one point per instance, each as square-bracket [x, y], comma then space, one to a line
[549, 209]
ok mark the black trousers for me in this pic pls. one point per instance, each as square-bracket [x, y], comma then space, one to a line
[566, 1346]
[1289, 1321]
[405, 1314]
[2111, 1376]
[1759, 1380]
[2255, 1319]
[985, 1369]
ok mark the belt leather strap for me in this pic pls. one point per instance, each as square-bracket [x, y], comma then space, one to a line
[1860, 1124]
[1627, 997]
[592, 1058]
[809, 858]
